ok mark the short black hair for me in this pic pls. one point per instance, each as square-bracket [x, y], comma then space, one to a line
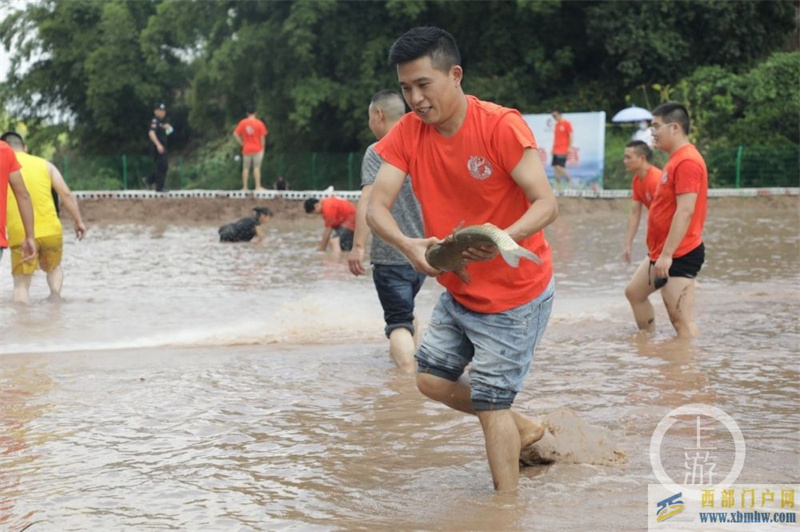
[641, 148]
[421, 41]
[266, 211]
[556, 110]
[250, 109]
[309, 205]
[13, 139]
[673, 113]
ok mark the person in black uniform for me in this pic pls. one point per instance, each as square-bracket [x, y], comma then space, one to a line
[247, 228]
[159, 130]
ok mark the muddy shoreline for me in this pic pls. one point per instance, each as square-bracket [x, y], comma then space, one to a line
[215, 211]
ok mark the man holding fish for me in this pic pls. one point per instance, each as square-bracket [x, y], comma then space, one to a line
[472, 163]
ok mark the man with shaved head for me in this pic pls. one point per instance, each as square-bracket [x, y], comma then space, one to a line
[395, 280]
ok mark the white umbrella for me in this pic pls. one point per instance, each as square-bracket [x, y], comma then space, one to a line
[632, 114]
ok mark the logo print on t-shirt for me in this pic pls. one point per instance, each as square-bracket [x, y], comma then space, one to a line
[479, 167]
[249, 130]
[664, 177]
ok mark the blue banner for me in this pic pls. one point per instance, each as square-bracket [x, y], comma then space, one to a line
[587, 152]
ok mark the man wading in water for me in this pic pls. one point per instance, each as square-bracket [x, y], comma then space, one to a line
[474, 162]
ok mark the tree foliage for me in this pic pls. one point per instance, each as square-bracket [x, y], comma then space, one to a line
[87, 66]
[311, 66]
[758, 106]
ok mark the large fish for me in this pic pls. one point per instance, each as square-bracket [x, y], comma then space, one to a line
[447, 254]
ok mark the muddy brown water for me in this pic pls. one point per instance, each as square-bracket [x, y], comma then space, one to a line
[183, 384]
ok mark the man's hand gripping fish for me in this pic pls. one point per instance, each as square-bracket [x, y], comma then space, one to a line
[447, 254]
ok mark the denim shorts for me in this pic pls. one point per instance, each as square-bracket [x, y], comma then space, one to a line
[499, 346]
[397, 286]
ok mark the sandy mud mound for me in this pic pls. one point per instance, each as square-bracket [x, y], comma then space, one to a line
[568, 438]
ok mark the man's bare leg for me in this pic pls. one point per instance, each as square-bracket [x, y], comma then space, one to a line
[456, 395]
[257, 178]
[22, 286]
[639, 288]
[530, 431]
[245, 176]
[562, 174]
[402, 349]
[55, 280]
[678, 296]
[502, 447]
[557, 178]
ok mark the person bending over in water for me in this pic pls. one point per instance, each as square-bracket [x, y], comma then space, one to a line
[247, 229]
[340, 222]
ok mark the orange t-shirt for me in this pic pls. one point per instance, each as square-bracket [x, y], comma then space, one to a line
[466, 179]
[685, 173]
[644, 190]
[251, 130]
[8, 164]
[562, 132]
[338, 212]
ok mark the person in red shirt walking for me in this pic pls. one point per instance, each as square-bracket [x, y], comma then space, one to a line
[562, 142]
[644, 183]
[674, 227]
[251, 133]
[470, 162]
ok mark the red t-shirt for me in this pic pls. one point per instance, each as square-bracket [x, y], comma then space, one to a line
[338, 212]
[562, 131]
[466, 179]
[644, 190]
[685, 173]
[8, 164]
[251, 130]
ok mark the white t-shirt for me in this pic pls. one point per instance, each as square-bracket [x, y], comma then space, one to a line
[645, 135]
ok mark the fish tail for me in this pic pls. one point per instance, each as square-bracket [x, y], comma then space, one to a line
[464, 275]
[512, 256]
